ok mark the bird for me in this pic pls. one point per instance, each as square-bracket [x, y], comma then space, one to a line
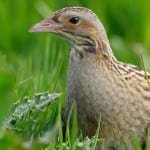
[98, 83]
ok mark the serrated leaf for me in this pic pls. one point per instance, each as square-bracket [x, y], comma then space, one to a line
[32, 116]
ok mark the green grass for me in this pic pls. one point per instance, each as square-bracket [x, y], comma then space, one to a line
[32, 63]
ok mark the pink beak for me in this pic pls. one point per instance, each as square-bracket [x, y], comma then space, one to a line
[47, 25]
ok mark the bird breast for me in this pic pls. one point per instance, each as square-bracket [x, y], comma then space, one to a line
[97, 88]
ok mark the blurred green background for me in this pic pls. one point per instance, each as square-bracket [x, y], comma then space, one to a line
[31, 63]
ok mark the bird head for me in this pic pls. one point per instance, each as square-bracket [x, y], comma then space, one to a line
[79, 26]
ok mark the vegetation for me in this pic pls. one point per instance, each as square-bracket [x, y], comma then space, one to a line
[34, 63]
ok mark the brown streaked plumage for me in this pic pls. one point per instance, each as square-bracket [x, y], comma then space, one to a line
[98, 82]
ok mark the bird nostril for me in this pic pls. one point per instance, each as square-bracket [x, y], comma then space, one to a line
[45, 24]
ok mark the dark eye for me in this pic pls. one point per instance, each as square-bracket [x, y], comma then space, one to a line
[74, 20]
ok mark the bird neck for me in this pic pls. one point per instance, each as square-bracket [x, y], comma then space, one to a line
[103, 49]
[90, 61]
[90, 48]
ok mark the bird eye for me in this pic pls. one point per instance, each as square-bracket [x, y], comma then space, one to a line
[74, 20]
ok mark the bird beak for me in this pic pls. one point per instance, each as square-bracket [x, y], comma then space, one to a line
[47, 25]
